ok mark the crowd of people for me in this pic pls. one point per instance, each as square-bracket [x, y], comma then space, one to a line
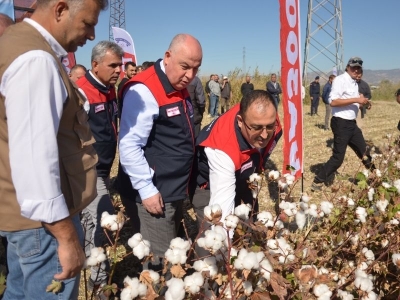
[59, 135]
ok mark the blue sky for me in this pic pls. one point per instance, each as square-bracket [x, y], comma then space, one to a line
[370, 30]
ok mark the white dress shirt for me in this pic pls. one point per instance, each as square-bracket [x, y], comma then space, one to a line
[35, 94]
[138, 115]
[222, 180]
[344, 87]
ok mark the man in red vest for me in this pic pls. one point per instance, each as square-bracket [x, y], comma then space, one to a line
[157, 143]
[232, 148]
[101, 106]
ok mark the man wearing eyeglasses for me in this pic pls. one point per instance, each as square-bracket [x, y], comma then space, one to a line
[233, 147]
[345, 101]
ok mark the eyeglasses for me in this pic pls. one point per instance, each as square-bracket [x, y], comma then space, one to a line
[356, 61]
[259, 129]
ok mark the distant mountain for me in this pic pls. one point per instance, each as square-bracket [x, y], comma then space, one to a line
[374, 77]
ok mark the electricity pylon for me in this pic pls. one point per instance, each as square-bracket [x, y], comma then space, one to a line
[323, 52]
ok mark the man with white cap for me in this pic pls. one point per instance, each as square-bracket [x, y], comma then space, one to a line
[226, 94]
[345, 101]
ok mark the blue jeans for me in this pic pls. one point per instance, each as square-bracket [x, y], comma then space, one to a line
[214, 99]
[33, 261]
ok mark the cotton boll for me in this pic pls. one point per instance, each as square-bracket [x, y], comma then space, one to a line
[133, 288]
[273, 175]
[179, 243]
[354, 239]
[155, 277]
[176, 256]
[381, 205]
[266, 218]
[279, 224]
[242, 211]
[321, 289]
[364, 284]
[396, 183]
[266, 269]
[110, 222]
[361, 214]
[142, 250]
[371, 193]
[370, 296]
[396, 259]
[213, 213]
[384, 243]
[289, 178]
[96, 257]
[386, 185]
[350, 202]
[305, 198]
[300, 219]
[303, 206]
[369, 255]
[326, 207]
[135, 240]
[176, 289]
[247, 287]
[231, 221]
[394, 222]
[194, 282]
[345, 295]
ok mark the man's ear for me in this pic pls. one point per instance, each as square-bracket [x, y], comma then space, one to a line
[60, 9]
[239, 120]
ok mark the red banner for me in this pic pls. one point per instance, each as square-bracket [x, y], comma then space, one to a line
[69, 61]
[291, 83]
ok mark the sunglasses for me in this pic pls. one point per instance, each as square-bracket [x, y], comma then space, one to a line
[356, 61]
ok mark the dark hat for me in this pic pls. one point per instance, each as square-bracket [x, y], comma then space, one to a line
[355, 61]
[316, 77]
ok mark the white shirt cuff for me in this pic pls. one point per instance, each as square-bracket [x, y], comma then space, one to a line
[147, 191]
[47, 211]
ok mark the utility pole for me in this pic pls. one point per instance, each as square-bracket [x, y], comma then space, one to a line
[117, 16]
[324, 40]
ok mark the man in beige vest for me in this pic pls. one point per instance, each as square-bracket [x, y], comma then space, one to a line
[47, 160]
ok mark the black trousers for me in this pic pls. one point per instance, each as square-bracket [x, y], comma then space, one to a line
[345, 133]
[314, 104]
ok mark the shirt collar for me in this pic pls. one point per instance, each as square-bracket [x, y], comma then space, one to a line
[349, 79]
[98, 81]
[55, 46]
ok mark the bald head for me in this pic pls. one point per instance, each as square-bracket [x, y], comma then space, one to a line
[182, 60]
[5, 21]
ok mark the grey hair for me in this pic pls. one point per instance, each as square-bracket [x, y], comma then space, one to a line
[75, 4]
[100, 50]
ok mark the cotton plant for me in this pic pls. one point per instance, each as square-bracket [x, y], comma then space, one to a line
[231, 221]
[255, 181]
[248, 260]
[322, 292]
[214, 239]
[361, 214]
[176, 253]
[281, 248]
[242, 211]
[213, 213]
[193, 283]
[266, 218]
[176, 289]
[208, 264]
[273, 175]
[133, 288]
[140, 247]
[289, 208]
[96, 257]
[111, 222]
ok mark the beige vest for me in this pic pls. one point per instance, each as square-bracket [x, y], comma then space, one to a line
[76, 154]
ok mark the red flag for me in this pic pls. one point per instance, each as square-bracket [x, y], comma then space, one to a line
[291, 83]
[69, 61]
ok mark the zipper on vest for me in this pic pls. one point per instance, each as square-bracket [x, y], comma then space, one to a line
[193, 142]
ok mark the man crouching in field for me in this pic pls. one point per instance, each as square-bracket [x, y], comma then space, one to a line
[233, 147]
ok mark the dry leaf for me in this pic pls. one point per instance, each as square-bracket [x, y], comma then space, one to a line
[279, 285]
[178, 271]
[260, 296]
